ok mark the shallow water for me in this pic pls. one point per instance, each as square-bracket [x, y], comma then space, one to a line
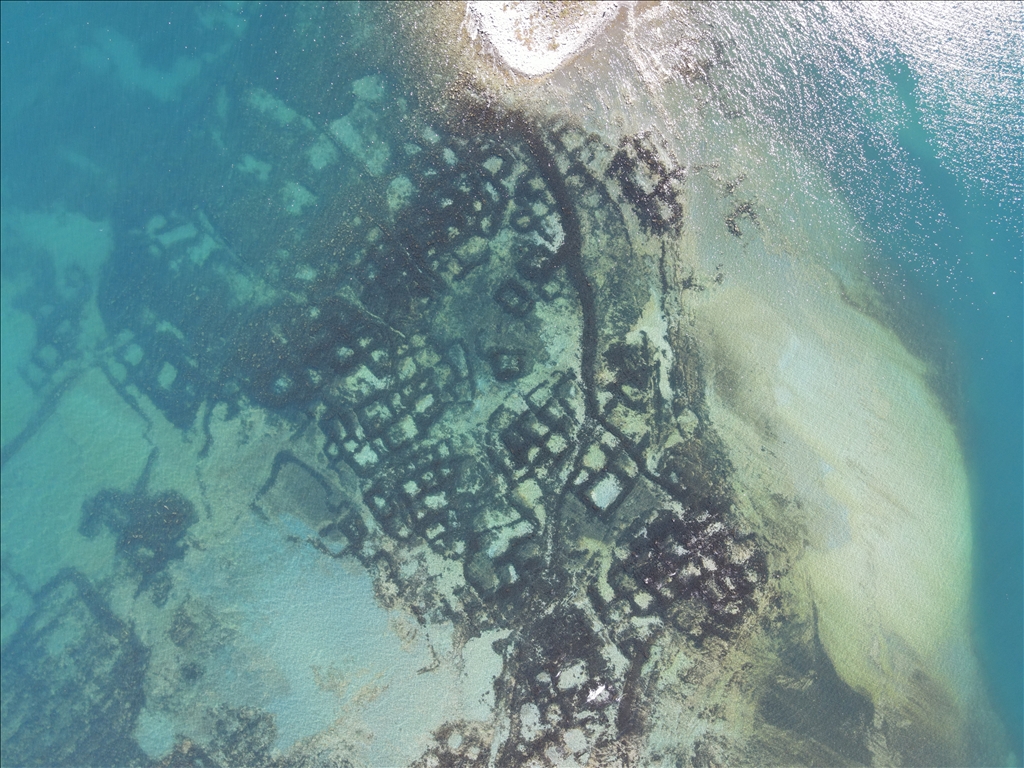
[346, 422]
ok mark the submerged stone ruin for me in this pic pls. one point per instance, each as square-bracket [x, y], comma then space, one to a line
[445, 348]
[466, 343]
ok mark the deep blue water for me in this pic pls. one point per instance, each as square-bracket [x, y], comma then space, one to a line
[946, 218]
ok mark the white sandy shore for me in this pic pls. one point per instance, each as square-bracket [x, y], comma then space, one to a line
[536, 38]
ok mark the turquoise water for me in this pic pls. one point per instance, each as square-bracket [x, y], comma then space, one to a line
[189, 529]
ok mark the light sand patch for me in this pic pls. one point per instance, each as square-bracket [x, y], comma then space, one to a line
[309, 642]
[536, 38]
[400, 193]
[846, 419]
[312, 646]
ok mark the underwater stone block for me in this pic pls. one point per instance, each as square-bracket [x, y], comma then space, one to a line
[507, 364]
[360, 133]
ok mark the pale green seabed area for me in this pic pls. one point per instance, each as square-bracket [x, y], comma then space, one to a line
[293, 618]
[288, 630]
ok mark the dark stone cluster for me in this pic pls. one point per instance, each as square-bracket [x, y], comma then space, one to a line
[458, 194]
[282, 326]
[462, 189]
[390, 380]
[632, 404]
[742, 210]
[240, 736]
[688, 567]
[605, 476]
[458, 743]
[174, 317]
[150, 529]
[297, 349]
[634, 373]
[55, 300]
[421, 488]
[649, 183]
[563, 696]
[433, 496]
[533, 437]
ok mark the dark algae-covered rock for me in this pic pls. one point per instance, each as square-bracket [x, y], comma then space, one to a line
[150, 529]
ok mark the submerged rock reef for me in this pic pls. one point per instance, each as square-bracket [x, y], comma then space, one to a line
[468, 354]
[476, 364]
